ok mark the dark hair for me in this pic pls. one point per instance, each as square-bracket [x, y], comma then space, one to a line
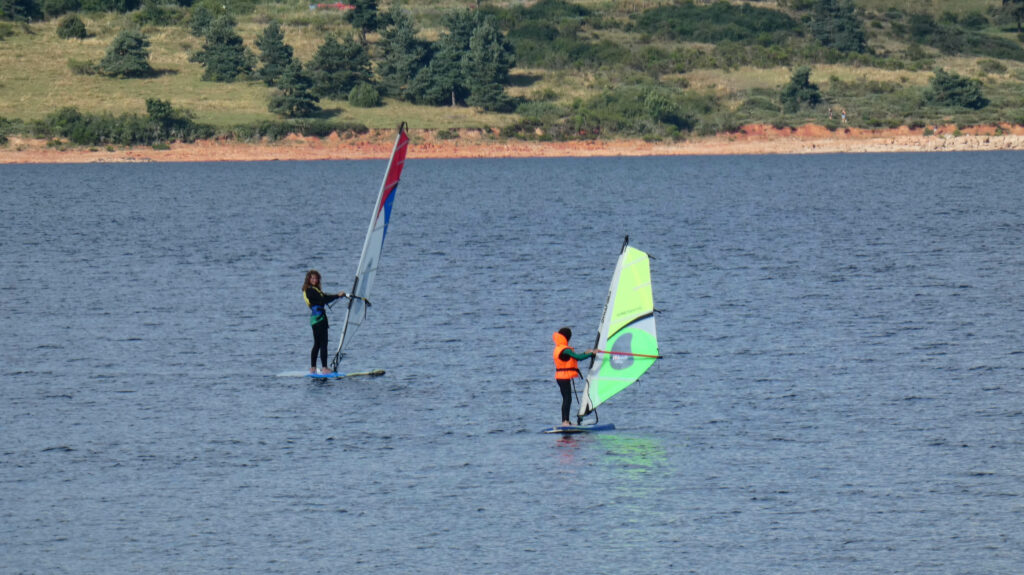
[309, 274]
[566, 332]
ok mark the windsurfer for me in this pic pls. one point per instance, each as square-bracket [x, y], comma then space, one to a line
[566, 368]
[317, 301]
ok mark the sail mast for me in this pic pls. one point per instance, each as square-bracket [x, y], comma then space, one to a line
[601, 329]
[373, 244]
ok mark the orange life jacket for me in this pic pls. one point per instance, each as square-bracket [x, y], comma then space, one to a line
[567, 368]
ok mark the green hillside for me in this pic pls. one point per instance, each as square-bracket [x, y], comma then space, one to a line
[594, 68]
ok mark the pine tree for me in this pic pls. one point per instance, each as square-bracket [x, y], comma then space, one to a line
[127, 56]
[275, 55]
[337, 68]
[199, 19]
[443, 82]
[224, 55]
[486, 67]
[800, 91]
[294, 99]
[364, 18]
[402, 56]
[461, 25]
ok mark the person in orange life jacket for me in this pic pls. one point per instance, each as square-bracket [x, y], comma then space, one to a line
[566, 368]
[317, 302]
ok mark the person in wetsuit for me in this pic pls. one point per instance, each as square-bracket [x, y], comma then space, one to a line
[317, 301]
[566, 368]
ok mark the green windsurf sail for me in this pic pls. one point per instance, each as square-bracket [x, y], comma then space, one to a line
[627, 341]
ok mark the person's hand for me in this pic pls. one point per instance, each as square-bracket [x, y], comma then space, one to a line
[342, 294]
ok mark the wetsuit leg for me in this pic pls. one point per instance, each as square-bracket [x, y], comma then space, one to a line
[565, 386]
[319, 345]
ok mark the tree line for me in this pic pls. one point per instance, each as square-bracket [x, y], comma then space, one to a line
[468, 65]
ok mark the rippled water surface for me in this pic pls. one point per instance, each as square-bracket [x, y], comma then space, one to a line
[841, 390]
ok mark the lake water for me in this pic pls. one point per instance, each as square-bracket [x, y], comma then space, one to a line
[841, 390]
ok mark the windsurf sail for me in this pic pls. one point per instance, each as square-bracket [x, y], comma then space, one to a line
[372, 245]
[627, 342]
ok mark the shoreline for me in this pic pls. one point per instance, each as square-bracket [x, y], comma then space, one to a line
[752, 139]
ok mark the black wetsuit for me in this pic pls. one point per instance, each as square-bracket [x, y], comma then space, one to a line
[317, 301]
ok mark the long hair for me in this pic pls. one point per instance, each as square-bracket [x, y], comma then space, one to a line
[306, 283]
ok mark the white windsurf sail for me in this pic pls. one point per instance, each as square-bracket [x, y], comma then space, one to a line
[627, 342]
[372, 245]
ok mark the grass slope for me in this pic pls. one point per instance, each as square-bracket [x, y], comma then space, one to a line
[35, 78]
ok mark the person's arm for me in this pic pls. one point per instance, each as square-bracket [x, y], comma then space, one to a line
[315, 298]
[576, 355]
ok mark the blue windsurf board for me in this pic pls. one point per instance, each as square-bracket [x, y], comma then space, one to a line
[580, 428]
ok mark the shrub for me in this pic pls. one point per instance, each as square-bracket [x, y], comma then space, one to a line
[951, 39]
[278, 129]
[158, 14]
[759, 104]
[125, 130]
[71, 26]
[718, 22]
[541, 112]
[719, 122]
[364, 95]
[123, 6]
[82, 67]
[835, 24]
[172, 124]
[951, 89]
[974, 20]
[991, 67]
[641, 110]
